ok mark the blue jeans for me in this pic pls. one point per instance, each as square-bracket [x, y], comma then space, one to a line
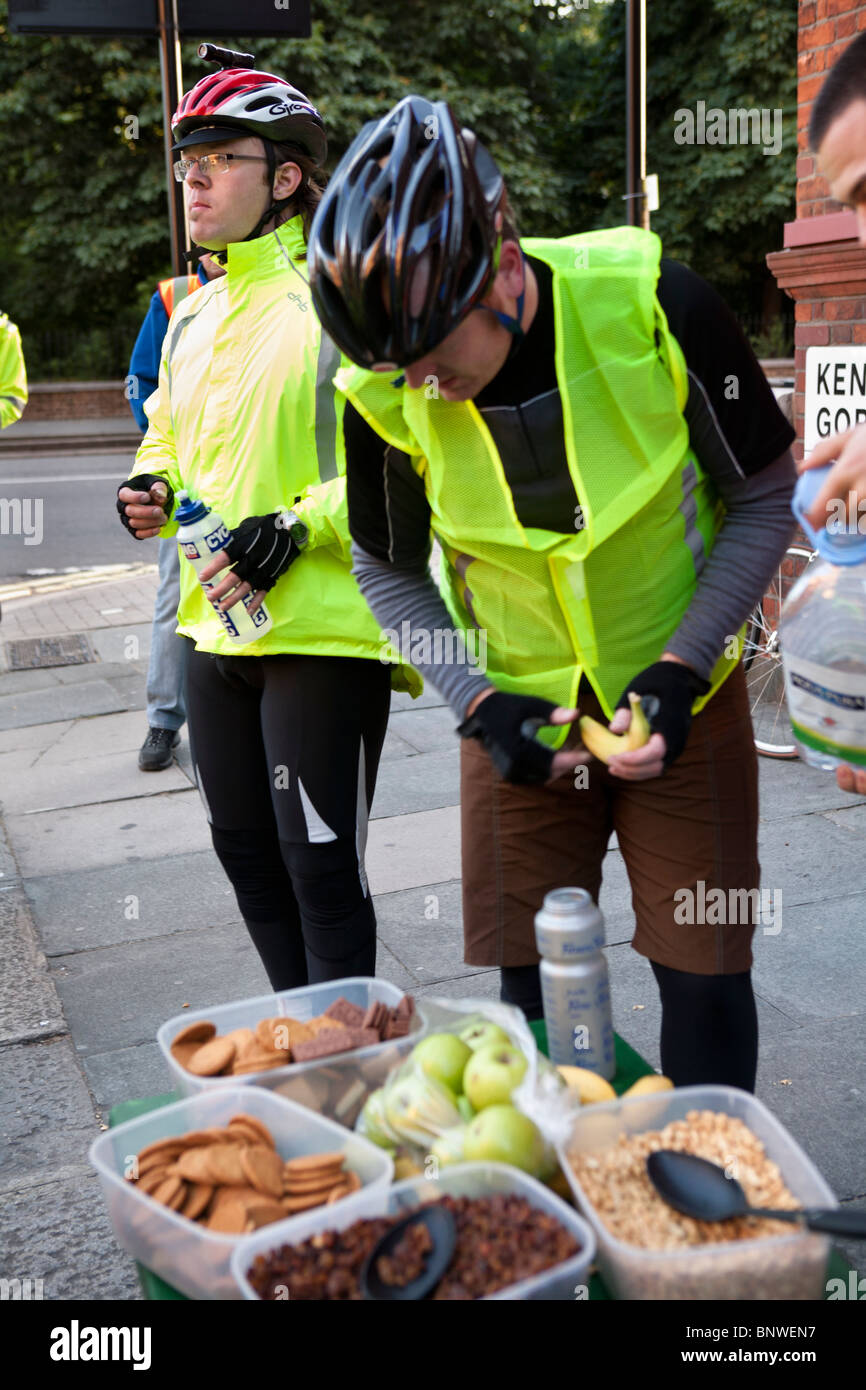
[165, 707]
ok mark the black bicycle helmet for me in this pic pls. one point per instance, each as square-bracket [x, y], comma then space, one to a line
[405, 240]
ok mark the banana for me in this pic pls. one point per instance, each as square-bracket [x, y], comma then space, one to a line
[647, 1086]
[590, 1087]
[604, 745]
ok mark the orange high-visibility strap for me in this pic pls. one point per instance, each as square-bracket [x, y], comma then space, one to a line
[176, 288]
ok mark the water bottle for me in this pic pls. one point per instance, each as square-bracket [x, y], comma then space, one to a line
[822, 634]
[201, 533]
[575, 990]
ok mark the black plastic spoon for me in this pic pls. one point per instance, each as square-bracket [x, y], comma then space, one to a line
[703, 1190]
[443, 1232]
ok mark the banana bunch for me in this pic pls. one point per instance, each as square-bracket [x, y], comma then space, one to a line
[604, 745]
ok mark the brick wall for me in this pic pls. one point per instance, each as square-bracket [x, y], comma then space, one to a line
[826, 27]
[823, 267]
[76, 400]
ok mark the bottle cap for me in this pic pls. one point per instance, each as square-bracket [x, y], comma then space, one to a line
[188, 508]
[840, 541]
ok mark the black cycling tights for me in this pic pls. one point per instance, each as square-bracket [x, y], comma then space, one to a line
[286, 750]
[709, 1029]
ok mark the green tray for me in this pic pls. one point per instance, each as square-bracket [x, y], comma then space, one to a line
[630, 1066]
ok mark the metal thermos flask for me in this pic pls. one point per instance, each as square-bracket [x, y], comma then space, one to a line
[575, 990]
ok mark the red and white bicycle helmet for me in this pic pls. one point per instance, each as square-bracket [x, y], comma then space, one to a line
[253, 102]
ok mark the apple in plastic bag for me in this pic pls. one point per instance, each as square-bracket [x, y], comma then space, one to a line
[443, 1056]
[492, 1074]
[503, 1134]
[482, 1033]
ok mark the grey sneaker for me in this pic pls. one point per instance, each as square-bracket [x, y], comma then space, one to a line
[155, 753]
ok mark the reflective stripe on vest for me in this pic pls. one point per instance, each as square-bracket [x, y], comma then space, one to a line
[604, 601]
[175, 289]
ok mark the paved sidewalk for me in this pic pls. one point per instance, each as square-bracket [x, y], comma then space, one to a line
[115, 913]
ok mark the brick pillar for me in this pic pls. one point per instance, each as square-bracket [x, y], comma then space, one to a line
[822, 266]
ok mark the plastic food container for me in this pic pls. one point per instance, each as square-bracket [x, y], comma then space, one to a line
[334, 1086]
[567, 1280]
[772, 1267]
[184, 1253]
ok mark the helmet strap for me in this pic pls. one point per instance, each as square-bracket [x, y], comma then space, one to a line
[277, 204]
[512, 323]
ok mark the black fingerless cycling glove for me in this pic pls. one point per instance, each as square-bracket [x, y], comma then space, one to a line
[506, 725]
[261, 550]
[143, 482]
[667, 691]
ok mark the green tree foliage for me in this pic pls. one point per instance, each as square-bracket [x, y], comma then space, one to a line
[722, 205]
[81, 140]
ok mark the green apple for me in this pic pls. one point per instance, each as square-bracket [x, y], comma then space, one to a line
[448, 1148]
[482, 1032]
[443, 1056]
[492, 1074]
[503, 1134]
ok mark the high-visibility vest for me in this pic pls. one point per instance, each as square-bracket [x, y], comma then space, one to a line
[175, 289]
[247, 418]
[604, 601]
[13, 375]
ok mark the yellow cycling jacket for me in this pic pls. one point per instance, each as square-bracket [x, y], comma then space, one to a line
[13, 377]
[246, 417]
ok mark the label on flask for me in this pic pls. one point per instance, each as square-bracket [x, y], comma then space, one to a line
[827, 708]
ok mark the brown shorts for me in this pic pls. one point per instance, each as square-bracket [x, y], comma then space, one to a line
[696, 824]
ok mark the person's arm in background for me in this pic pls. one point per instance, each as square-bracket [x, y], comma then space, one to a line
[144, 363]
[13, 374]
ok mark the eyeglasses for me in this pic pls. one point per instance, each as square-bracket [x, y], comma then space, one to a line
[210, 164]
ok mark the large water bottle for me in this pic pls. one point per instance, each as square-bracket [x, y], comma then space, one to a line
[575, 991]
[822, 634]
[201, 533]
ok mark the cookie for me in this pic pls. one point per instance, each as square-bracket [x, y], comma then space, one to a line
[212, 1058]
[168, 1190]
[310, 1164]
[296, 1204]
[345, 1012]
[263, 1212]
[198, 1195]
[263, 1168]
[325, 1044]
[230, 1219]
[200, 1032]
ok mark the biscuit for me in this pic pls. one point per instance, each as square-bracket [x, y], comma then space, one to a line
[295, 1204]
[212, 1058]
[257, 1126]
[342, 1190]
[230, 1219]
[168, 1190]
[183, 1052]
[263, 1168]
[200, 1032]
[325, 1044]
[263, 1212]
[309, 1164]
[345, 1012]
[197, 1197]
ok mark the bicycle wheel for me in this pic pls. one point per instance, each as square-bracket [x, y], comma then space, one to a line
[762, 659]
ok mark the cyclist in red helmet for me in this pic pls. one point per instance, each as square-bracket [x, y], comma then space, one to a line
[285, 732]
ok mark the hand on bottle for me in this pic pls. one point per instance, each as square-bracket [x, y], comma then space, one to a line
[846, 480]
[231, 588]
